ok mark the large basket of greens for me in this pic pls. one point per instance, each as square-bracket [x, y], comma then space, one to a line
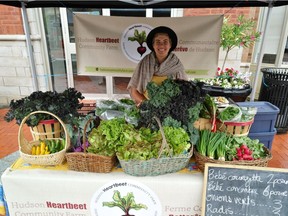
[168, 151]
[222, 148]
[97, 155]
[47, 151]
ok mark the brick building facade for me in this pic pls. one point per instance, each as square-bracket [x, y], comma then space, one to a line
[10, 21]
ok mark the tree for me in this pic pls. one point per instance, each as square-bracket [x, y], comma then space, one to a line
[239, 34]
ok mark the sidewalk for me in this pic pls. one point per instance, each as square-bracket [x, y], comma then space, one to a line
[8, 135]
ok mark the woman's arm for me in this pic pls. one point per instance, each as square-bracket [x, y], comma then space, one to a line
[136, 96]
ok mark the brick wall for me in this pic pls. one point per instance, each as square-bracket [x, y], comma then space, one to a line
[10, 20]
[233, 13]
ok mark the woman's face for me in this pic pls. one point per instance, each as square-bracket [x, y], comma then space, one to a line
[161, 45]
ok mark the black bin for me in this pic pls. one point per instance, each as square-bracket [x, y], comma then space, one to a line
[274, 89]
[237, 95]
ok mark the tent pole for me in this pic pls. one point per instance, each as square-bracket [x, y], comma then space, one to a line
[259, 60]
[29, 47]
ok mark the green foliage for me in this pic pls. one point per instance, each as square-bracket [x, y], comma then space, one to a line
[239, 34]
[178, 139]
[65, 105]
[229, 113]
[159, 96]
[117, 136]
[172, 100]
[109, 135]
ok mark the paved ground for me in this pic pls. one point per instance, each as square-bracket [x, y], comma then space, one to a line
[7, 161]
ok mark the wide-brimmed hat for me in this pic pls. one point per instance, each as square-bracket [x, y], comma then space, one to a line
[162, 29]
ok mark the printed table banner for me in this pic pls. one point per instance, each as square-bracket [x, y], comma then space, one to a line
[114, 45]
[32, 190]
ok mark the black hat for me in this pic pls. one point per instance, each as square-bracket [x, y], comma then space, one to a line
[162, 29]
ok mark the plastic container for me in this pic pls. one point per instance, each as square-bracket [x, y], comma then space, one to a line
[264, 120]
[266, 138]
[274, 89]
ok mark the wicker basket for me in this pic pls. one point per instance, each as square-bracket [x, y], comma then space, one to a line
[201, 160]
[203, 124]
[235, 128]
[89, 162]
[157, 166]
[25, 146]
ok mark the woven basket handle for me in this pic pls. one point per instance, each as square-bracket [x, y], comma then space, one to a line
[21, 135]
[84, 133]
[164, 141]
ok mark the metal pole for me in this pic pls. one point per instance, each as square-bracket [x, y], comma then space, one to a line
[29, 47]
[259, 60]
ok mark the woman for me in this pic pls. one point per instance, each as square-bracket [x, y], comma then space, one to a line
[157, 65]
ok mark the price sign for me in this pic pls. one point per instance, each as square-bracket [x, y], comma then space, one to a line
[244, 191]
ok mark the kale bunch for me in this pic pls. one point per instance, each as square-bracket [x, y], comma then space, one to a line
[175, 102]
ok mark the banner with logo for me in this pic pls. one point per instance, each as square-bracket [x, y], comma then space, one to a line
[106, 44]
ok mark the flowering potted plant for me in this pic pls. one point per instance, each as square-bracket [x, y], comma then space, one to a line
[230, 82]
[229, 78]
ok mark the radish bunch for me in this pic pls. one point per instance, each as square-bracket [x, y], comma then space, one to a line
[243, 153]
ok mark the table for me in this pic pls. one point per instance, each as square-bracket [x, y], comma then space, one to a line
[35, 190]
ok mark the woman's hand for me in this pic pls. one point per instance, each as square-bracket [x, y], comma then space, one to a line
[136, 96]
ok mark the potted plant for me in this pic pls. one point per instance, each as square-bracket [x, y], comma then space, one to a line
[229, 78]
[65, 105]
[230, 82]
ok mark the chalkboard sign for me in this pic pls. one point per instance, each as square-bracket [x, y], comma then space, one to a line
[244, 191]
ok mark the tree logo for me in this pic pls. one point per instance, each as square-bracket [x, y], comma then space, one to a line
[125, 198]
[133, 42]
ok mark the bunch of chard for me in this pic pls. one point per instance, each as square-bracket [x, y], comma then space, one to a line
[243, 153]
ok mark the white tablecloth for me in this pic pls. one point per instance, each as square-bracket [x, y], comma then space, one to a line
[58, 191]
